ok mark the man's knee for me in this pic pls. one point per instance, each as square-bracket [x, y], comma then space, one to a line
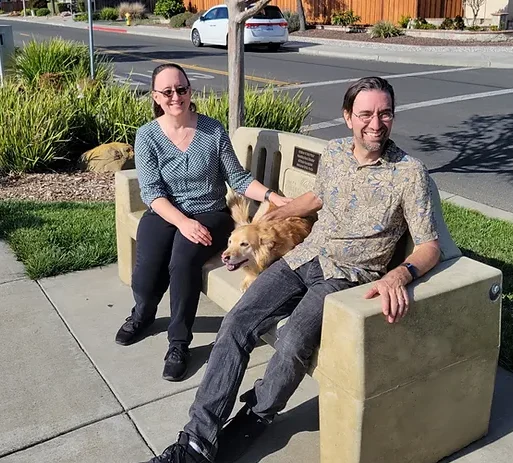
[293, 343]
[236, 327]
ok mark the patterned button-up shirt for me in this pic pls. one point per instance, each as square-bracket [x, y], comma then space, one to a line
[366, 209]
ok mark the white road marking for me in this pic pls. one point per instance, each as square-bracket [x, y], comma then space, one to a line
[410, 106]
[392, 76]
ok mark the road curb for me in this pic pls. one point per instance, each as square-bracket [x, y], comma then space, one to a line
[488, 211]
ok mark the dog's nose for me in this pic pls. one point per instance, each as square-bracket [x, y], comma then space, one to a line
[225, 257]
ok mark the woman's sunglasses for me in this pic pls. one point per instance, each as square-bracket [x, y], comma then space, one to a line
[168, 93]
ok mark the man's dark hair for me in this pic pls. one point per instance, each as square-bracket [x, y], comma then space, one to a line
[365, 84]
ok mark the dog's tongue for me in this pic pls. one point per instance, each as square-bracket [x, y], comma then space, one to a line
[230, 267]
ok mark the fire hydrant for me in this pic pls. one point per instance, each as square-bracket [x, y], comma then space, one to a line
[128, 17]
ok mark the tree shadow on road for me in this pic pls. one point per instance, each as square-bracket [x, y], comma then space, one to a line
[481, 144]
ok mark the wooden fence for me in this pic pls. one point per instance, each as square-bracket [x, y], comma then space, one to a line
[320, 11]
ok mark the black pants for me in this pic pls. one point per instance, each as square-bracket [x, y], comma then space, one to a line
[164, 257]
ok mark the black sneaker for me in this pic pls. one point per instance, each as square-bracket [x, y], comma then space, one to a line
[180, 452]
[239, 434]
[130, 331]
[175, 367]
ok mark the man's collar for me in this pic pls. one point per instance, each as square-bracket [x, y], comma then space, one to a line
[387, 158]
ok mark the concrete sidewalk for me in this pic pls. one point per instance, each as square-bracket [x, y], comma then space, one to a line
[71, 395]
[473, 56]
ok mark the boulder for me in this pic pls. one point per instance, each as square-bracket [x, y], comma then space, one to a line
[109, 157]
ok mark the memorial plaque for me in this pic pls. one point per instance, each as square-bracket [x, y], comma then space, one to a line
[306, 160]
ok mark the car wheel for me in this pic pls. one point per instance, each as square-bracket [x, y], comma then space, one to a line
[274, 46]
[196, 39]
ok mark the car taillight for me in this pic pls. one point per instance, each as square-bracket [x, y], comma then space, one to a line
[283, 24]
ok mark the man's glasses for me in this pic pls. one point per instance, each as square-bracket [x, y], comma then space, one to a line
[385, 116]
[168, 93]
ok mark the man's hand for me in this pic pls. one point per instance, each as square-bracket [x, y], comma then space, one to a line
[278, 200]
[195, 232]
[394, 296]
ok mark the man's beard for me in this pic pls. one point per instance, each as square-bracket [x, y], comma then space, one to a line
[373, 146]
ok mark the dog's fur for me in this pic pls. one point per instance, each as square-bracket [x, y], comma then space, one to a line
[256, 244]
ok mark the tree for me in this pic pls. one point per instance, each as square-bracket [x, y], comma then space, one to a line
[475, 6]
[301, 13]
[237, 16]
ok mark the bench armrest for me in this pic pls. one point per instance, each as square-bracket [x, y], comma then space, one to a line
[128, 193]
[451, 319]
[421, 388]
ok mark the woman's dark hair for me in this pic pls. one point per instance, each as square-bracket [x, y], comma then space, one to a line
[157, 110]
[365, 84]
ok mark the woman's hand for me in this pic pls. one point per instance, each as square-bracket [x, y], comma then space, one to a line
[278, 200]
[195, 232]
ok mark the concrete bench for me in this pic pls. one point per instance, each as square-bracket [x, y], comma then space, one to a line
[415, 391]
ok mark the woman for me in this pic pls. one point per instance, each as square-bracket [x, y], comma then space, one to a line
[183, 160]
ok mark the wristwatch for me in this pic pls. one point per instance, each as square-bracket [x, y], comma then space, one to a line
[411, 269]
[268, 194]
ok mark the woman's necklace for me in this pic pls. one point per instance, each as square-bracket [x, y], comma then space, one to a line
[183, 139]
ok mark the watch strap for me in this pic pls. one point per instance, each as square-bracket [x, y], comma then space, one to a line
[411, 269]
[268, 194]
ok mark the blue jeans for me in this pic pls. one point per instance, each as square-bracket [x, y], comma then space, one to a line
[277, 293]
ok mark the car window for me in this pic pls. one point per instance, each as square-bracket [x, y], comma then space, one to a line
[212, 14]
[269, 12]
[223, 13]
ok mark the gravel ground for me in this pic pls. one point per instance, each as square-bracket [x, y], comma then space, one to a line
[402, 40]
[69, 186]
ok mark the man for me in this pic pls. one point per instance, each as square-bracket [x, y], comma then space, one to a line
[367, 193]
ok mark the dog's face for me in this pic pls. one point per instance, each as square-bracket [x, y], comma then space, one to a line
[243, 244]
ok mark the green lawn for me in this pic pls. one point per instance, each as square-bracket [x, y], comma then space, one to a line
[55, 238]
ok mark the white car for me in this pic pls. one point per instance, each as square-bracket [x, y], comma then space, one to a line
[269, 27]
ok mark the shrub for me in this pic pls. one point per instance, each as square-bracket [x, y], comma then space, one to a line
[189, 22]
[80, 17]
[473, 28]
[62, 7]
[178, 20]
[169, 8]
[459, 23]
[344, 18]
[109, 14]
[447, 24]
[427, 26]
[36, 4]
[384, 29]
[1, 11]
[263, 108]
[136, 9]
[68, 59]
[108, 113]
[39, 127]
[85, 16]
[292, 19]
[494, 28]
[403, 22]
[42, 12]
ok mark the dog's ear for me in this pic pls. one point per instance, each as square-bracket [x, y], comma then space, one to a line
[267, 242]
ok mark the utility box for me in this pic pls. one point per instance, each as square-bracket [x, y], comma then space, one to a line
[6, 50]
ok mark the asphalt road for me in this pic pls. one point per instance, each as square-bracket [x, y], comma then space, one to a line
[458, 121]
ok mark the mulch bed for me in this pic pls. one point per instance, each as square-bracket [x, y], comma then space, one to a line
[402, 40]
[58, 186]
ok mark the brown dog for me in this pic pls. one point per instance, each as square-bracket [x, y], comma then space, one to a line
[256, 244]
